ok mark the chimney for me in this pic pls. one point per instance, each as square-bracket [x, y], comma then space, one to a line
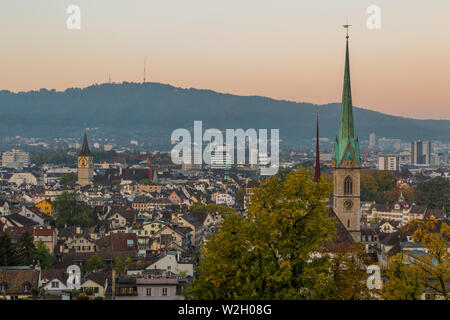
[78, 230]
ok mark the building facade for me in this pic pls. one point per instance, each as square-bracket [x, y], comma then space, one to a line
[388, 163]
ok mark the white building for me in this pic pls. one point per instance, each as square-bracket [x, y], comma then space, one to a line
[23, 178]
[388, 163]
[15, 159]
[220, 158]
[372, 140]
[225, 199]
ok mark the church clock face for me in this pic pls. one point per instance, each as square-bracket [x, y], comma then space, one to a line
[348, 204]
[82, 162]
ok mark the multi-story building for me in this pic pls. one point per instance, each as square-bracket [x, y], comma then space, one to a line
[372, 140]
[388, 163]
[220, 158]
[15, 159]
[420, 152]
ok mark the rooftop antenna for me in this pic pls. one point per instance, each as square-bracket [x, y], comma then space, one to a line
[144, 70]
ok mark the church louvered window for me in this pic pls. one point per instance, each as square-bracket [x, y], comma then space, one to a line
[348, 186]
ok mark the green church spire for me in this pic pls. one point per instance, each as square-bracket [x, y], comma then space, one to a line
[346, 145]
[346, 130]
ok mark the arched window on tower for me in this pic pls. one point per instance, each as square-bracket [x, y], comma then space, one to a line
[348, 186]
[348, 223]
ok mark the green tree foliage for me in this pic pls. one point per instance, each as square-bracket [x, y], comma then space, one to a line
[146, 181]
[119, 265]
[69, 179]
[348, 271]
[404, 282]
[376, 184]
[409, 275]
[40, 157]
[434, 193]
[95, 263]
[7, 252]
[43, 256]
[71, 211]
[270, 255]
[26, 249]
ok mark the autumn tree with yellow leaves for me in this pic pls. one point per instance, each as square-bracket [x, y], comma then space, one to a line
[275, 253]
[409, 276]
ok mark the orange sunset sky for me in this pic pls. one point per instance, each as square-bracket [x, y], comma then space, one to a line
[283, 49]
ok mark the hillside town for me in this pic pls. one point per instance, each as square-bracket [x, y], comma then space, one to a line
[146, 224]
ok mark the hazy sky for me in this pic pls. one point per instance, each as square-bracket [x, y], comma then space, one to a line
[284, 49]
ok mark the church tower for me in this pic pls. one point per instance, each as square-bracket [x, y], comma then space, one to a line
[85, 164]
[347, 163]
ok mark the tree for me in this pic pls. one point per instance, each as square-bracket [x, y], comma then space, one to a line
[404, 282]
[119, 265]
[72, 211]
[273, 254]
[434, 193]
[376, 184]
[69, 179]
[146, 181]
[435, 237]
[348, 270]
[7, 252]
[410, 275]
[95, 263]
[26, 249]
[43, 256]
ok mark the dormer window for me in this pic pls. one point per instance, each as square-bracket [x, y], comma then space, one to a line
[26, 286]
[3, 287]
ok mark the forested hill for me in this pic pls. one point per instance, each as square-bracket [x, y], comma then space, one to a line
[154, 110]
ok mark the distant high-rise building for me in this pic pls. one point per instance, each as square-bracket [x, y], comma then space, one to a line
[420, 152]
[220, 158]
[372, 140]
[426, 152]
[15, 159]
[388, 163]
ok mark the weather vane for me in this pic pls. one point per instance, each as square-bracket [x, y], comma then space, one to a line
[346, 26]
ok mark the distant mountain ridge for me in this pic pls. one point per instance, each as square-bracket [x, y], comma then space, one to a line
[153, 110]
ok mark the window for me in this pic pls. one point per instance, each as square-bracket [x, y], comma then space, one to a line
[164, 292]
[348, 223]
[3, 287]
[55, 284]
[348, 186]
[148, 292]
[26, 287]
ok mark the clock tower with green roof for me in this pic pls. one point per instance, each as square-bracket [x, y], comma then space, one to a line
[347, 163]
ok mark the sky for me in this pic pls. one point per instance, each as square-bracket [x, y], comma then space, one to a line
[283, 49]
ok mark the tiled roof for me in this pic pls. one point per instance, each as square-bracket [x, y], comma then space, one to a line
[16, 278]
[117, 242]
